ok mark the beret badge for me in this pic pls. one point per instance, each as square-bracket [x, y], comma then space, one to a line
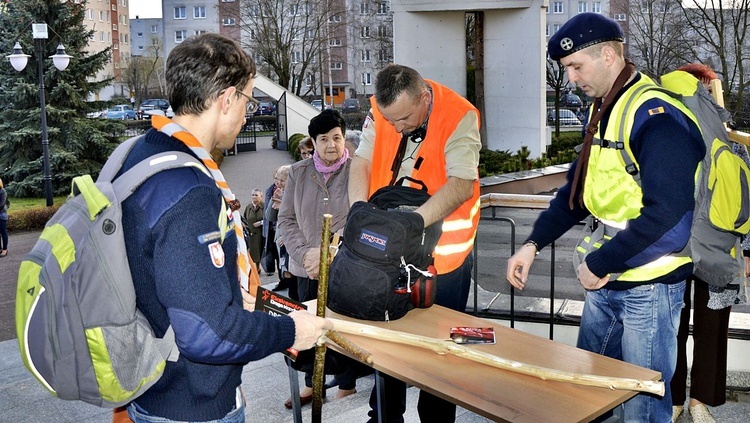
[566, 44]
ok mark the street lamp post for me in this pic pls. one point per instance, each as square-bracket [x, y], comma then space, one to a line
[61, 60]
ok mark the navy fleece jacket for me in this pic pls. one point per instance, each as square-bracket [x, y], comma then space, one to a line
[170, 222]
[667, 148]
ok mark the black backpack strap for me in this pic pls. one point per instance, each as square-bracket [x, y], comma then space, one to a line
[412, 180]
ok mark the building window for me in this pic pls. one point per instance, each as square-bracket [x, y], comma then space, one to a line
[335, 42]
[296, 56]
[179, 36]
[364, 8]
[114, 27]
[383, 55]
[252, 34]
[101, 16]
[382, 31]
[366, 78]
[200, 31]
[124, 3]
[227, 1]
[140, 47]
[228, 22]
[365, 55]
[334, 18]
[365, 32]
[383, 8]
[337, 66]
[555, 28]
[154, 29]
[557, 7]
[309, 79]
[199, 12]
[596, 7]
[547, 31]
[140, 35]
[620, 17]
[116, 46]
[583, 7]
[101, 36]
[180, 12]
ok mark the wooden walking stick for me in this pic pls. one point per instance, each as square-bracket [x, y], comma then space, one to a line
[320, 350]
[441, 346]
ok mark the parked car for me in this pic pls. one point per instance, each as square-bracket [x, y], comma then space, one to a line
[318, 104]
[152, 104]
[121, 111]
[148, 113]
[350, 105]
[97, 114]
[570, 100]
[265, 108]
[565, 116]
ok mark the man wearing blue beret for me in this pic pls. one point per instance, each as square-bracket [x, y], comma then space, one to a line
[635, 176]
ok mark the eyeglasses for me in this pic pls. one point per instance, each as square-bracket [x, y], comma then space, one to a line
[252, 103]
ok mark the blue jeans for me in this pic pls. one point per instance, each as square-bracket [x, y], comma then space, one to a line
[639, 326]
[139, 415]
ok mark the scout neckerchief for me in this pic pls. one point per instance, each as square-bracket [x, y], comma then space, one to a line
[248, 278]
[592, 128]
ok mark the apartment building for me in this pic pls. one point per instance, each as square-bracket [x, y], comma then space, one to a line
[184, 18]
[110, 21]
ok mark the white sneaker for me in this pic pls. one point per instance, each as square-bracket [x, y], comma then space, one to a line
[700, 414]
[676, 411]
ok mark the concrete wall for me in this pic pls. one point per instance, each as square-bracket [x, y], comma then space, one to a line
[430, 37]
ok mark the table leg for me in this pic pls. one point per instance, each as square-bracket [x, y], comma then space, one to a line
[294, 388]
[380, 391]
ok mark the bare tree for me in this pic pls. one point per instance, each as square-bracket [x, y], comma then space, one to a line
[290, 38]
[141, 73]
[721, 26]
[558, 81]
[657, 39]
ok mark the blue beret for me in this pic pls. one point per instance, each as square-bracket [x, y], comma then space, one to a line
[581, 31]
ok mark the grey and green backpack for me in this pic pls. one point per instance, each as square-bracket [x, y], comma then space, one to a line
[79, 331]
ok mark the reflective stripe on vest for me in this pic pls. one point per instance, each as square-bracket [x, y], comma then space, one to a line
[459, 228]
[610, 193]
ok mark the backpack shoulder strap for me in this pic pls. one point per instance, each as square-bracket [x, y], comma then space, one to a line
[630, 165]
[116, 159]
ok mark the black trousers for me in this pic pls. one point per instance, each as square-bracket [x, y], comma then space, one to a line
[708, 375]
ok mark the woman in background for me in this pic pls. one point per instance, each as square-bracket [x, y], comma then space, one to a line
[3, 220]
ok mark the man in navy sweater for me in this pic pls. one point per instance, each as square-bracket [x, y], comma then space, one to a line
[184, 253]
[635, 175]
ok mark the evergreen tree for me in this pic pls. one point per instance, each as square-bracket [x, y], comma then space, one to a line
[77, 144]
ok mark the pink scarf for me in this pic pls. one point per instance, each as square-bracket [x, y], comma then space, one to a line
[325, 170]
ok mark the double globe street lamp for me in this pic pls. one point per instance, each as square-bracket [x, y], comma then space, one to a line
[61, 60]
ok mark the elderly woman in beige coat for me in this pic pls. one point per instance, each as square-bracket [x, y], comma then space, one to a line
[316, 186]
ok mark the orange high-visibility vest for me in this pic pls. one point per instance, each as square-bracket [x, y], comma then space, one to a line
[460, 227]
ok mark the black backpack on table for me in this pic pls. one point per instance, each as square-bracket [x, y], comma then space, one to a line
[385, 252]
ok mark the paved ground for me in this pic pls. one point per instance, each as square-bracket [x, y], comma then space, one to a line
[266, 383]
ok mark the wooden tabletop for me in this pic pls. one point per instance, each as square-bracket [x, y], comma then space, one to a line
[498, 394]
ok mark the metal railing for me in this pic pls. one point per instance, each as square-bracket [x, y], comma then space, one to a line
[518, 201]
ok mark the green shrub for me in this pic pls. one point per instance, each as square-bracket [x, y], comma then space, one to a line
[294, 140]
[561, 151]
[32, 219]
